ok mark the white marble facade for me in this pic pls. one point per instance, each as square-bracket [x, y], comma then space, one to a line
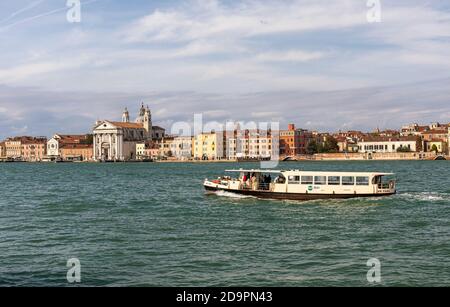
[116, 141]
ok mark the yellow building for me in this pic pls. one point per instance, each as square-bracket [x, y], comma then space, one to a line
[167, 147]
[141, 150]
[13, 147]
[209, 146]
[436, 145]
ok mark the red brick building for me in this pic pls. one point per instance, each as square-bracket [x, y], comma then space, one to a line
[294, 141]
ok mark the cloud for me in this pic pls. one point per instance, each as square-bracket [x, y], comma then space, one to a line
[49, 112]
[304, 61]
[242, 19]
[289, 56]
[243, 46]
[32, 69]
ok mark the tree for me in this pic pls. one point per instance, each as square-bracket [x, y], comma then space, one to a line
[434, 148]
[331, 146]
[312, 148]
[403, 149]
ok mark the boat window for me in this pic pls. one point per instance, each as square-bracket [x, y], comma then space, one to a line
[347, 180]
[334, 180]
[362, 180]
[294, 179]
[307, 179]
[320, 180]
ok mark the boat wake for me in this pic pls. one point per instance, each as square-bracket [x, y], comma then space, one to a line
[231, 195]
[426, 196]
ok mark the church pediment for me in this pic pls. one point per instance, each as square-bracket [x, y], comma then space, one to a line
[106, 125]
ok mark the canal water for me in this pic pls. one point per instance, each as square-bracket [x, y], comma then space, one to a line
[152, 225]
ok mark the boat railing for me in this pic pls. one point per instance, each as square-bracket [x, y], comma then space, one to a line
[264, 186]
[387, 185]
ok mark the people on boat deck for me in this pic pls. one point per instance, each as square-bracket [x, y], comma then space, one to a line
[254, 182]
[246, 180]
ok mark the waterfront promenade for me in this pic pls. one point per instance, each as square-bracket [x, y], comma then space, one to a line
[413, 156]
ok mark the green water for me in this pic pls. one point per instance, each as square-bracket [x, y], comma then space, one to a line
[152, 225]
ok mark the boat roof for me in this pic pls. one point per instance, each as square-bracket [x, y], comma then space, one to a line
[269, 171]
[316, 173]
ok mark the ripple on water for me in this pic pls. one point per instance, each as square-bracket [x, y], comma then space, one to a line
[153, 225]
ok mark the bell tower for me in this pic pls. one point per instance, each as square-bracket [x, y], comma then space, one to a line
[148, 126]
[126, 116]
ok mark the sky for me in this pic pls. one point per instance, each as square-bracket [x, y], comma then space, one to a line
[319, 64]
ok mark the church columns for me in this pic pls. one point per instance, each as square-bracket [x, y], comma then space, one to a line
[120, 147]
[110, 148]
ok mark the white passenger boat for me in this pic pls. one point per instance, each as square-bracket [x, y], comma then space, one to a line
[303, 185]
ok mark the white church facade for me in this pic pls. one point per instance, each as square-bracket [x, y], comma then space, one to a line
[116, 141]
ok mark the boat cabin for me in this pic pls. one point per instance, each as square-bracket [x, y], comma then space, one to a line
[307, 182]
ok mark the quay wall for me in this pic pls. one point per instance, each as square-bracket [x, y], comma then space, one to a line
[375, 156]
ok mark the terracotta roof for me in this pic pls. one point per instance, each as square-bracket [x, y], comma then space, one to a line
[389, 139]
[128, 125]
[72, 136]
[435, 132]
[435, 141]
[76, 146]
[34, 141]
[28, 140]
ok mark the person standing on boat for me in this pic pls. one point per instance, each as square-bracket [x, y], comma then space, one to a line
[254, 183]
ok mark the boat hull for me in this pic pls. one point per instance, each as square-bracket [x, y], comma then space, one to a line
[293, 196]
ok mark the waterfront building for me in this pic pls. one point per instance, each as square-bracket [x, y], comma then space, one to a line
[182, 147]
[388, 145]
[158, 133]
[13, 147]
[346, 144]
[141, 150]
[260, 144]
[209, 146]
[33, 149]
[438, 136]
[448, 139]
[389, 133]
[76, 152]
[2, 150]
[251, 144]
[294, 141]
[167, 147]
[413, 130]
[147, 150]
[116, 141]
[288, 144]
[25, 148]
[232, 141]
[435, 134]
[436, 145]
[58, 141]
